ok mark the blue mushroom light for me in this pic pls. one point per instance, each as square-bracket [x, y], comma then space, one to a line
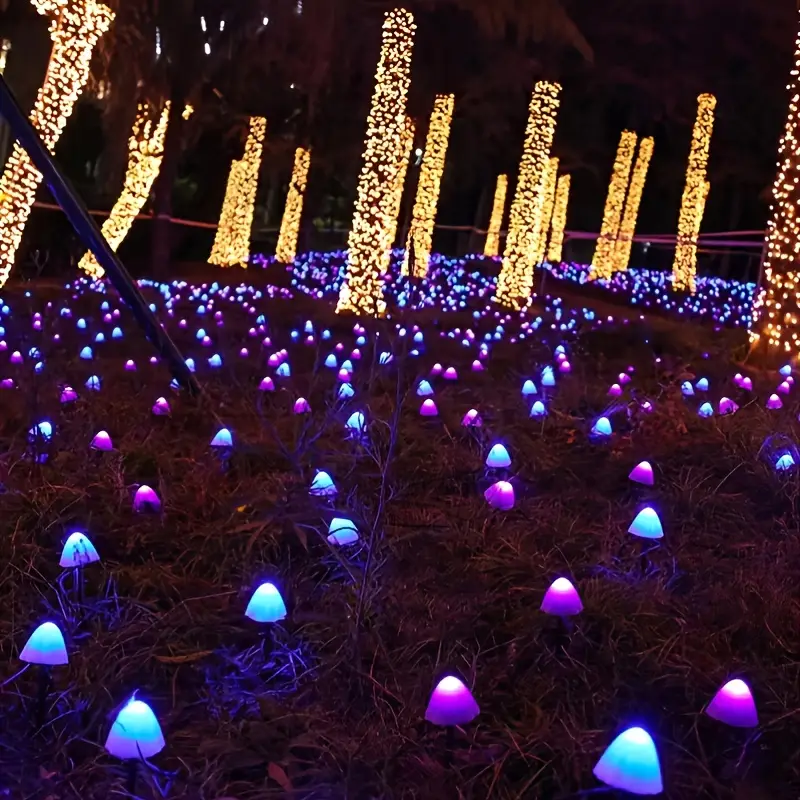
[45, 647]
[647, 525]
[136, 733]
[78, 551]
[631, 764]
[266, 604]
[498, 457]
[222, 438]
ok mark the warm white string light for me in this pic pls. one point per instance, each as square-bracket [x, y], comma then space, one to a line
[776, 312]
[232, 242]
[622, 248]
[492, 246]
[420, 234]
[515, 284]
[75, 29]
[548, 200]
[286, 250]
[145, 151]
[695, 192]
[603, 260]
[368, 246]
[559, 223]
[406, 143]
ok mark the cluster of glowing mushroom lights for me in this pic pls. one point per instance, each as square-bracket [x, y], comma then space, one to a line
[631, 761]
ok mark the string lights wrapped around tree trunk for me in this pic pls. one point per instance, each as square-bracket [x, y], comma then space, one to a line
[420, 235]
[286, 249]
[559, 223]
[368, 246]
[695, 192]
[232, 242]
[548, 204]
[76, 27]
[145, 151]
[406, 144]
[492, 246]
[776, 312]
[622, 249]
[603, 261]
[515, 284]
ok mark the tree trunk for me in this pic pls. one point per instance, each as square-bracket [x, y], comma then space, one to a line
[161, 245]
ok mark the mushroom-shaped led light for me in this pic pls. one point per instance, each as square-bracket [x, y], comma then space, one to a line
[424, 389]
[733, 704]
[472, 419]
[602, 427]
[498, 457]
[562, 599]
[222, 438]
[102, 441]
[500, 495]
[451, 703]
[266, 604]
[322, 485]
[135, 733]
[146, 500]
[631, 764]
[647, 525]
[78, 551]
[342, 531]
[45, 647]
[428, 408]
[642, 473]
[538, 409]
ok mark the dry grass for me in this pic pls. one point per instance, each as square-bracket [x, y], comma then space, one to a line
[333, 708]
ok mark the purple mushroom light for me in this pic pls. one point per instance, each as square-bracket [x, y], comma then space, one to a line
[500, 495]
[146, 501]
[498, 457]
[726, 406]
[733, 704]
[46, 649]
[602, 428]
[161, 407]
[451, 703]
[102, 442]
[642, 473]
[472, 419]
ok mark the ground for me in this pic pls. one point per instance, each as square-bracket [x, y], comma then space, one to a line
[331, 702]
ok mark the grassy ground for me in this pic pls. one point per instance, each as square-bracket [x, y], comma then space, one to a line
[333, 705]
